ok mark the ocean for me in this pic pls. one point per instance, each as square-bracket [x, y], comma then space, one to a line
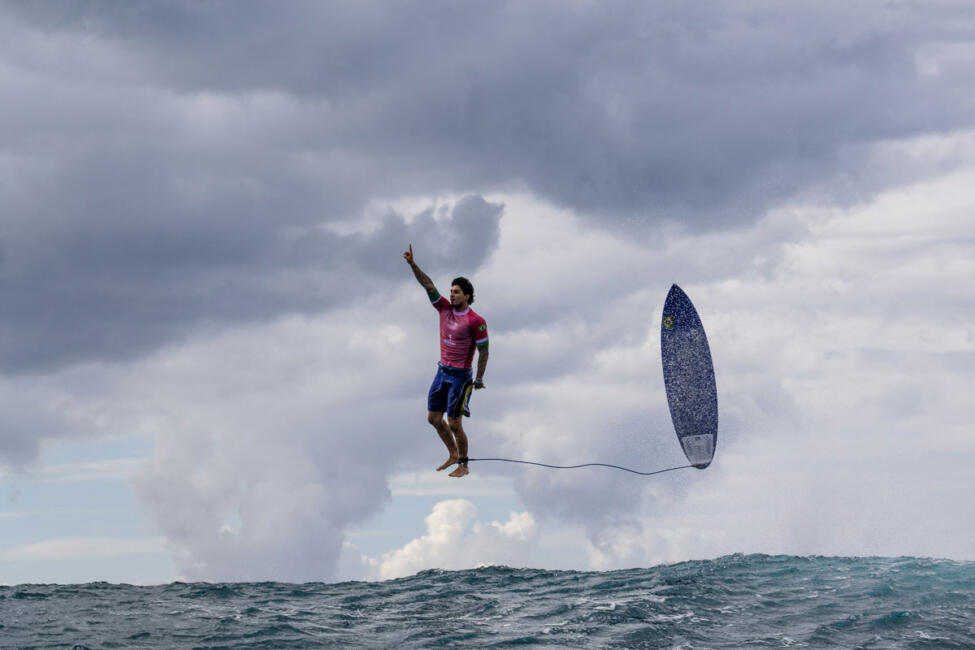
[737, 601]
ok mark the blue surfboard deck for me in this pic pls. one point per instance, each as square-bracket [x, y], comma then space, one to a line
[692, 394]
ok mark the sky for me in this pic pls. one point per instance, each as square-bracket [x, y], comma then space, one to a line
[214, 360]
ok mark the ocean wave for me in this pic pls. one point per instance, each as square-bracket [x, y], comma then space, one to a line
[737, 601]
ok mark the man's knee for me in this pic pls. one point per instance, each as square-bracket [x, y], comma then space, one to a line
[456, 422]
[434, 418]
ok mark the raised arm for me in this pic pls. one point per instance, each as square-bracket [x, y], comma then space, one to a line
[421, 277]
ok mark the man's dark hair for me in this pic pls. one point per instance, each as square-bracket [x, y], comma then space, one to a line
[465, 286]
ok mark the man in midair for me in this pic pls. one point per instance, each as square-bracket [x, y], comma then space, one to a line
[461, 332]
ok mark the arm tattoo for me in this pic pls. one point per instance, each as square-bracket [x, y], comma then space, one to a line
[482, 359]
[424, 281]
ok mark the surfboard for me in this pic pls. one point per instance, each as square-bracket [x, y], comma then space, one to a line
[692, 394]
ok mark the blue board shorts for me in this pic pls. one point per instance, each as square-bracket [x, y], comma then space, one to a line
[450, 391]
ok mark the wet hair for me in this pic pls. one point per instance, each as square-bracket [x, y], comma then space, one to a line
[465, 286]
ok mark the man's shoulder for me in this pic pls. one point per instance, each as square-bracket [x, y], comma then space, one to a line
[473, 317]
[440, 303]
[477, 324]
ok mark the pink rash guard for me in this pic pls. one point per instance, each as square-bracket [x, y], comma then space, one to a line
[460, 332]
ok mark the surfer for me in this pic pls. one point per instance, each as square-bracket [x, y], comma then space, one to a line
[461, 331]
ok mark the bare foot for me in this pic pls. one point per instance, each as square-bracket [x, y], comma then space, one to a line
[450, 461]
[460, 471]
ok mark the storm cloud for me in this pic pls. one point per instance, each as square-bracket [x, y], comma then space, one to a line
[173, 164]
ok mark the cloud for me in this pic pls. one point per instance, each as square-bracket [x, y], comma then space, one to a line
[256, 474]
[636, 546]
[45, 513]
[124, 292]
[41, 408]
[456, 540]
[423, 483]
[178, 166]
[84, 548]
[654, 111]
[114, 469]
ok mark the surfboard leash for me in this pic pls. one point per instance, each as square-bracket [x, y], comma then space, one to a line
[625, 469]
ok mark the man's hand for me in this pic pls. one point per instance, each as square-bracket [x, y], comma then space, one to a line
[479, 384]
[421, 277]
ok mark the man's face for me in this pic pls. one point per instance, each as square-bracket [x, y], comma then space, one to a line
[457, 297]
